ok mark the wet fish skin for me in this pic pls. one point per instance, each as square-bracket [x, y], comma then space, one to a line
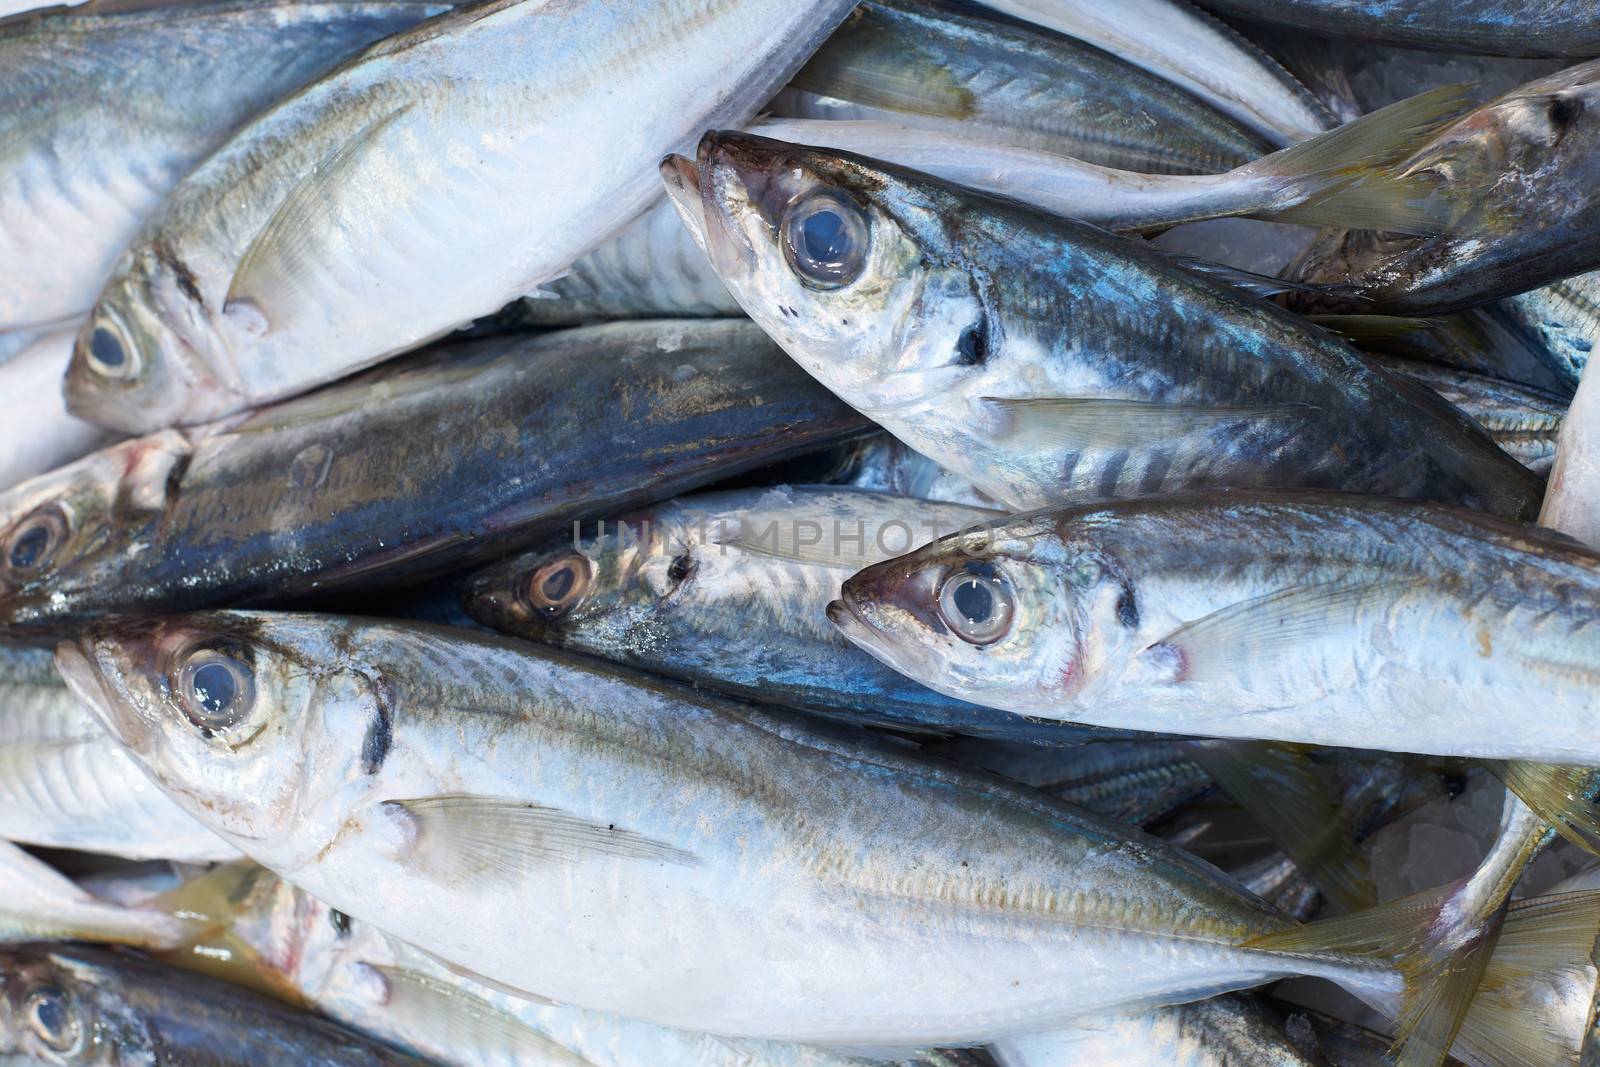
[94, 1002]
[1490, 27]
[300, 497]
[1047, 361]
[37, 433]
[309, 246]
[1185, 45]
[1523, 421]
[361, 722]
[1523, 162]
[694, 589]
[65, 784]
[106, 106]
[1365, 605]
[942, 67]
[650, 269]
[358, 976]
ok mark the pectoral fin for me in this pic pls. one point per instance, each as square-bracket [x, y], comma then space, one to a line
[464, 835]
[270, 278]
[480, 1030]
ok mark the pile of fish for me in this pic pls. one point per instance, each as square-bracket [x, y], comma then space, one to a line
[798, 533]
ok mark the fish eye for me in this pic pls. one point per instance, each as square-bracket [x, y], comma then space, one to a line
[217, 691]
[108, 355]
[35, 540]
[50, 1016]
[557, 587]
[977, 603]
[825, 237]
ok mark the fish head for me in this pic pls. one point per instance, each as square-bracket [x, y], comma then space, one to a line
[1011, 614]
[855, 268]
[61, 1007]
[137, 365]
[65, 535]
[267, 728]
[1522, 156]
[605, 585]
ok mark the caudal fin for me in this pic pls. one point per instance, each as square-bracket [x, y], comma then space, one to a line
[1461, 975]
[1563, 796]
[1343, 178]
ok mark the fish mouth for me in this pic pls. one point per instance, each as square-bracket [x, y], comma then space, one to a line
[77, 667]
[909, 660]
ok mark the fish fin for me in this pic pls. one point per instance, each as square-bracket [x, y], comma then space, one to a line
[1563, 796]
[1347, 171]
[266, 283]
[836, 70]
[1357, 328]
[400, 948]
[1438, 984]
[39, 903]
[470, 1022]
[1095, 422]
[486, 836]
[1274, 624]
[1277, 786]
[1544, 935]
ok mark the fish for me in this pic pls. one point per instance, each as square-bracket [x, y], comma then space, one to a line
[1523, 421]
[651, 269]
[38, 904]
[727, 591]
[360, 977]
[339, 490]
[1220, 1032]
[1561, 320]
[107, 105]
[1185, 45]
[1048, 361]
[37, 433]
[882, 462]
[493, 145]
[414, 776]
[1496, 27]
[1478, 340]
[65, 784]
[1374, 623]
[1518, 164]
[942, 67]
[654, 267]
[72, 1005]
[1301, 184]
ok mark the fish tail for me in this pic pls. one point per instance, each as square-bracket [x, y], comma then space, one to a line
[1563, 796]
[1345, 177]
[1461, 968]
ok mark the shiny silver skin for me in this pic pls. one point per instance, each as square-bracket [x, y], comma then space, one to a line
[65, 784]
[86, 1007]
[651, 268]
[1492, 27]
[708, 588]
[1187, 46]
[358, 976]
[884, 463]
[1156, 615]
[943, 67]
[716, 887]
[105, 106]
[492, 146]
[1522, 162]
[306, 496]
[1047, 361]
[37, 433]
[1522, 420]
